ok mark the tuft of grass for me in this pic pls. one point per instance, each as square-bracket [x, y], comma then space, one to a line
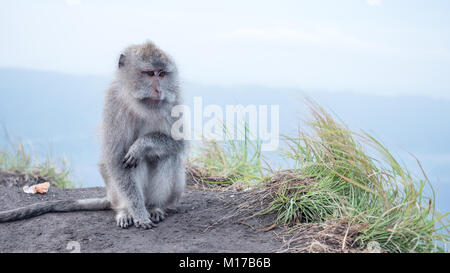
[342, 179]
[359, 180]
[18, 159]
[227, 163]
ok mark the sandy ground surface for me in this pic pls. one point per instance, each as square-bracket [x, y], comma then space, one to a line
[197, 224]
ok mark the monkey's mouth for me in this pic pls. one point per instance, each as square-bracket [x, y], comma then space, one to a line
[152, 101]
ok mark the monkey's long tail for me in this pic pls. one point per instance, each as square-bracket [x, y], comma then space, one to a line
[54, 206]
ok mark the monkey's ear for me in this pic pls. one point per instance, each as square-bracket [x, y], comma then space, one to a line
[121, 60]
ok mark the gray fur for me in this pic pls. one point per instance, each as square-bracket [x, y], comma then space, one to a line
[141, 164]
[54, 206]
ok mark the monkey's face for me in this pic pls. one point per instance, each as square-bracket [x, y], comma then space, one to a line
[150, 78]
[154, 87]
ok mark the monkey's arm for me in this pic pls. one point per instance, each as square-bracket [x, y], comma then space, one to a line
[154, 145]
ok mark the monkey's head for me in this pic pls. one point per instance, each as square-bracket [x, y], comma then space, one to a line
[148, 74]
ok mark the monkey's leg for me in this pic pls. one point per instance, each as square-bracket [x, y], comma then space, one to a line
[131, 194]
[123, 216]
[165, 185]
[165, 150]
[158, 188]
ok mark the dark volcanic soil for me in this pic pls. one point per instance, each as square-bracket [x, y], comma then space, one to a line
[196, 224]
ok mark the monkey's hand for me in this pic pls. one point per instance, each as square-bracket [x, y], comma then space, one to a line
[134, 155]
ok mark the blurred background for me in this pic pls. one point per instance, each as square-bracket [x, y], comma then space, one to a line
[381, 66]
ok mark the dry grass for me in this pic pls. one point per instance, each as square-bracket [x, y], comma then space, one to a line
[260, 200]
[20, 179]
[326, 237]
[201, 178]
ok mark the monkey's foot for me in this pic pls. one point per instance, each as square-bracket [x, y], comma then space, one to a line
[124, 220]
[141, 219]
[157, 215]
[144, 223]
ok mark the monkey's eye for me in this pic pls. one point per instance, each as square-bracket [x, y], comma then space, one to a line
[149, 73]
[162, 73]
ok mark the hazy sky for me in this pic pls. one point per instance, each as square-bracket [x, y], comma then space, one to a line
[378, 46]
